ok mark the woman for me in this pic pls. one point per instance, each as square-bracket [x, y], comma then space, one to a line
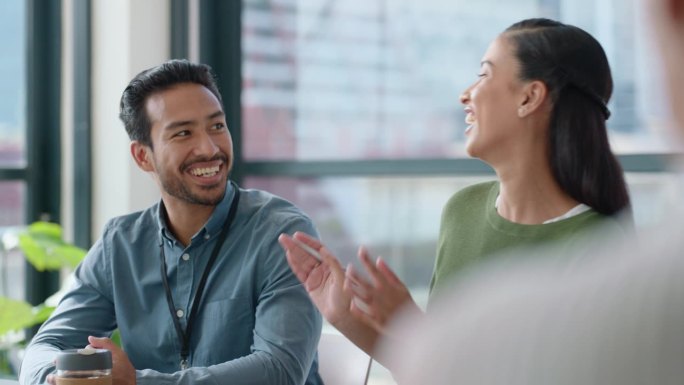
[536, 115]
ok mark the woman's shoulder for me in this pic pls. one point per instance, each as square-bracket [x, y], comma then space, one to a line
[479, 192]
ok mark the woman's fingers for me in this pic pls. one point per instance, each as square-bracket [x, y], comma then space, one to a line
[387, 273]
[298, 256]
[301, 272]
[361, 308]
[307, 240]
[366, 313]
[369, 266]
[305, 266]
[356, 285]
[330, 259]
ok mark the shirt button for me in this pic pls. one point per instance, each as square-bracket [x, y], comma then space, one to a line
[207, 236]
[186, 256]
[179, 313]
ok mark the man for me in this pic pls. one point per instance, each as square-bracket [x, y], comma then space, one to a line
[613, 317]
[196, 284]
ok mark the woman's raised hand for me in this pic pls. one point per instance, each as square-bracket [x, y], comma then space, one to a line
[320, 272]
[377, 298]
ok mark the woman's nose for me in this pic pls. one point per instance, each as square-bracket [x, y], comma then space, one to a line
[465, 96]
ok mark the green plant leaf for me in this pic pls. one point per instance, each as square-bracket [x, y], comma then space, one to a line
[41, 313]
[14, 315]
[68, 255]
[116, 337]
[44, 248]
[36, 254]
[47, 229]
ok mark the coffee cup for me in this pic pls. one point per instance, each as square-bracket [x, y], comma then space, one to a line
[84, 367]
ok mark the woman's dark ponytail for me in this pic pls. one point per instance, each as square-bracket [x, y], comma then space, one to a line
[575, 69]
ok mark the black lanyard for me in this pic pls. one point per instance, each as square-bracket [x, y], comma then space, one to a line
[184, 337]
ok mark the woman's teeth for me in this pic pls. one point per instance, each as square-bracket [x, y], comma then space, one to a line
[470, 119]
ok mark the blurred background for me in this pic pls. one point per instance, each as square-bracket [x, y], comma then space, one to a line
[348, 108]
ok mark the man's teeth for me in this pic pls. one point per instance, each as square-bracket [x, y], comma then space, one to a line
[208, 171]
[470, 119]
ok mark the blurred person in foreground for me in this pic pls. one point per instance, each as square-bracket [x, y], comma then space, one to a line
[616, 318]
[196, 284]
[536, 114]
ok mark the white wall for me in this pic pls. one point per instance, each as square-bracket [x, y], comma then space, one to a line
[128, 36]
[67, 117]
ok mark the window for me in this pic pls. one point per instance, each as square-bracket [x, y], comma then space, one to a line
[12, 86]
[381, 79]
[29, 129]
[350, 109]
[12, 140]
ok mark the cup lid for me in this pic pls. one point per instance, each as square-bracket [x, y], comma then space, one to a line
[84, 359]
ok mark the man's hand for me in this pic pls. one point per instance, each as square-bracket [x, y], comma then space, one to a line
[123, 372]
[51, 378]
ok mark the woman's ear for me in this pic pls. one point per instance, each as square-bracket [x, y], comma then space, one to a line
[534, 97]
[142, 155]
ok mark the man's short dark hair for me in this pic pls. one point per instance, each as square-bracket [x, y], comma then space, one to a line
[162, 77]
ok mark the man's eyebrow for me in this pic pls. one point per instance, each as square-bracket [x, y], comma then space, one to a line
[486, 62]
[216, 114]
[181, 123]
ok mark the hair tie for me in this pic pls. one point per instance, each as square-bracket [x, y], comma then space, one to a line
[594, 97]
[566, 80]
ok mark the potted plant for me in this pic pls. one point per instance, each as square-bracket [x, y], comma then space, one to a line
[43, 246]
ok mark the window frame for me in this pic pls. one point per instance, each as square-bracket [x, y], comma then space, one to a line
[82, 123]
[220, 34]
[42, 172]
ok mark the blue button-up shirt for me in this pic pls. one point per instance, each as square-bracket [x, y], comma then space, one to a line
[255, 325]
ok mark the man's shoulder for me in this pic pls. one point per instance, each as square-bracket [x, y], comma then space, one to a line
[267, 203]
[136, 221]
[266, 211]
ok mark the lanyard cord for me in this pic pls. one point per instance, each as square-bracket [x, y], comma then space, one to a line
[184, 337]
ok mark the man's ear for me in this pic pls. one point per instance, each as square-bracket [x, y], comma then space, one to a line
[142, 155]
[533, 98]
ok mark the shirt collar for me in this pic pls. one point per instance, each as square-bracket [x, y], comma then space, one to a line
[213, 225]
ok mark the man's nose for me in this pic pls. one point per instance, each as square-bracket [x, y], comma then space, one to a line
[206, 145]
